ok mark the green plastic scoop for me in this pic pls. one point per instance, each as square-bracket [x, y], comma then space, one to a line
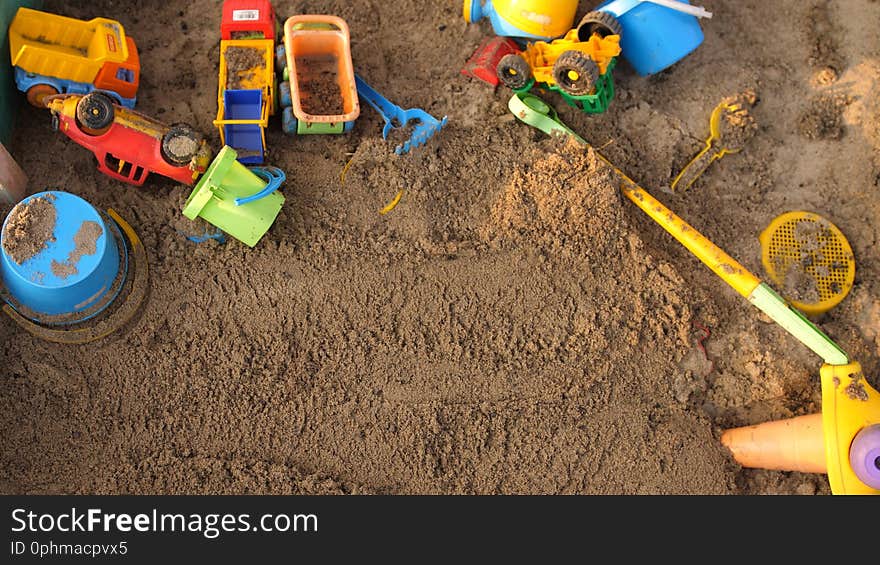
[537, 113]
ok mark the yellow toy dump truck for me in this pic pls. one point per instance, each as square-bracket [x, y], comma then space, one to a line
[246, 96]
[579, 68]
[246, 91]
[58, 55]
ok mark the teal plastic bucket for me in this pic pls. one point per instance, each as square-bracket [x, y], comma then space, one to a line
[654, 37]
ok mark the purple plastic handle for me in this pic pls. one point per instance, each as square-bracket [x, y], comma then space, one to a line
[864, 456]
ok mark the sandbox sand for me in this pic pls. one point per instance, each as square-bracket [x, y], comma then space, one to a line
[513, 326]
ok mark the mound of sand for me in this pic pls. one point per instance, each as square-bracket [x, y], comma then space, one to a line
[564, 200]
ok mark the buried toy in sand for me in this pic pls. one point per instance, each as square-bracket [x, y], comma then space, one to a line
[731, 126]
[71, 274]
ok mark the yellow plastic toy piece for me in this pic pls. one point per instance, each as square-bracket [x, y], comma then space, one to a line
[805, 253]
[393, 204]
[542, 55]
[67, 48]
[713, 151]
[544, 18]
[849, 404]
[256, 77]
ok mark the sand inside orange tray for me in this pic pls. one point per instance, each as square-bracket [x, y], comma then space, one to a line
[318, 80]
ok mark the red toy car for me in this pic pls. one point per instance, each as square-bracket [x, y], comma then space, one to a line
[484, 62]
[129, 145]
[247, 19]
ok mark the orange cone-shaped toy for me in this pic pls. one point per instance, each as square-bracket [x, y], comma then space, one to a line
[797, 444]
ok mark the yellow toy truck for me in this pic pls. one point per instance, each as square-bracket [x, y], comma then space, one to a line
[246, 86]
[246, 96]
[54, 54]
[576, 66]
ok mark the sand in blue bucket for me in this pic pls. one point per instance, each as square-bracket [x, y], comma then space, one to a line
[58, 257]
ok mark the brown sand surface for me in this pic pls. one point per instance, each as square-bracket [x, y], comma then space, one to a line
[241, 65]
[513, 326]
[28, 229]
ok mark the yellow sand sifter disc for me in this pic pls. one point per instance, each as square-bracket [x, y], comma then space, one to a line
[809, 260]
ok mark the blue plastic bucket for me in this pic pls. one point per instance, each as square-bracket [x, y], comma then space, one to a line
[654, 37]
[68, 274]
[246, 139]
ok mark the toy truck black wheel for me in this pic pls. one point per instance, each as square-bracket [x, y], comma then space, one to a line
[289, 123]
[285, 96]
[514, 71]
[95, 113]
[37, 94]
[180, 144]
[601, 23]
[280, 59]
[575, 73]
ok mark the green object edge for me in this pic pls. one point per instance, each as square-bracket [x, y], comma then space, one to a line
[794, 322]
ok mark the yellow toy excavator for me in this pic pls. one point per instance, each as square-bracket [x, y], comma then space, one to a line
[577, 65]
[569, 63]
